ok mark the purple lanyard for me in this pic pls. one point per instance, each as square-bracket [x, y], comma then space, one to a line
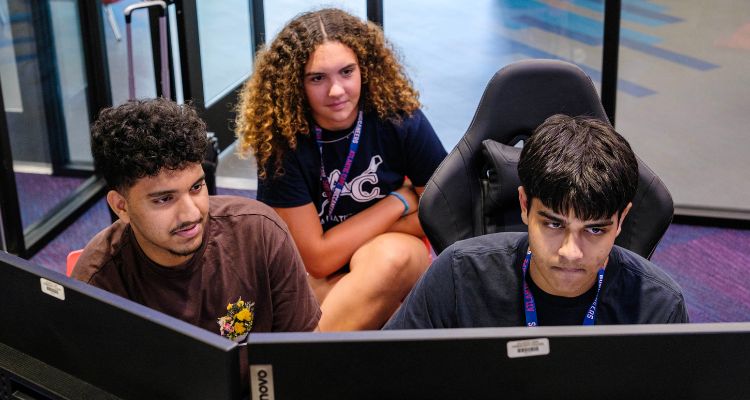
[529, 306]
[333, 195]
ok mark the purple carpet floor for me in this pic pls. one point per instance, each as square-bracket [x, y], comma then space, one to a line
[713, 267]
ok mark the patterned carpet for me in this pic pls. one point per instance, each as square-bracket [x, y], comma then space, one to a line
[38, 194]
[711, 264]
[713, 267]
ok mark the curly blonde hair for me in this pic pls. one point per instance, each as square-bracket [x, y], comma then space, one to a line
[273, 108]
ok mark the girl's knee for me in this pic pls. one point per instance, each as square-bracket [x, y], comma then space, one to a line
[393, 258]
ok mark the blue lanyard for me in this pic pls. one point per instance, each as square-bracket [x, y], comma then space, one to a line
[333, 195]
[529, 306]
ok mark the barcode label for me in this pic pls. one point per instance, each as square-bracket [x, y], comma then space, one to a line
[528, 348]
[53, 289]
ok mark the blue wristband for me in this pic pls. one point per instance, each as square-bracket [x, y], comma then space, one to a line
[403, 200]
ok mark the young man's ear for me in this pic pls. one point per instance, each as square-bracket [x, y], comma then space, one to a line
[118, 204]
[523, 201]
[623, 214]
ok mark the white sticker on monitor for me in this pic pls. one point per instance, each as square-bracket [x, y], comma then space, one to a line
[261, 382]
[528, 348]
[53, 289]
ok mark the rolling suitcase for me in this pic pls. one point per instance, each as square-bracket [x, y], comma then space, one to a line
[211, 157]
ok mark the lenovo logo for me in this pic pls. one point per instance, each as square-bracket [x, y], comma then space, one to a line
[261, 382]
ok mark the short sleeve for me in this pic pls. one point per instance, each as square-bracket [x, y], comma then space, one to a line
[432, 302]
[423, 148]
[680, 314]
[291, 187]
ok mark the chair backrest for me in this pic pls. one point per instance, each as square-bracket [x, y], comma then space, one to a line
[474, 190]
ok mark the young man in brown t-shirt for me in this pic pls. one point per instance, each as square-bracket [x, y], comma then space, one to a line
[176, 250]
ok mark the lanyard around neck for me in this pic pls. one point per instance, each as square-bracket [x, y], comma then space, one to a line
[529, 306]
[333, 195]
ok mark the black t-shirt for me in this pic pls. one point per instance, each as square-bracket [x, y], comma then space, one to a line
[478, 283]
[556, 310]
[388, 151]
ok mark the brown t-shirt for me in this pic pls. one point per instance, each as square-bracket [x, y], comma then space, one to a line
[247, 252]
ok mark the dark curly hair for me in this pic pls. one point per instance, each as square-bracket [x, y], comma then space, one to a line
[579, 164]
[142, 137]
[273, 107]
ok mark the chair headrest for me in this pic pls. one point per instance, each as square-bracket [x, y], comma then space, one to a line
[461, 199]
[522, 95]
[502, 174]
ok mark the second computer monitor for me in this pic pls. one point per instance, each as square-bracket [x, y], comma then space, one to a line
[602, 362]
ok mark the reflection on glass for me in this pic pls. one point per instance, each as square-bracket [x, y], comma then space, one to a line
[225, 42]
[690, 124]
[70, 63]
[453, 50]
[24, 93]
[43, 75]
[117, 56]
[8, 72]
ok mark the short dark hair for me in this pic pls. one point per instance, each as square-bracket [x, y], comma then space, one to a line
[142, 137]
[579, 164]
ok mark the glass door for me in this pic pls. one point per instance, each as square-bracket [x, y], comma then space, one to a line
[216, 56]
[46, 109]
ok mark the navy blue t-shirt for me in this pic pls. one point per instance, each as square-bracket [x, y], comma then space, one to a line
[387, 152]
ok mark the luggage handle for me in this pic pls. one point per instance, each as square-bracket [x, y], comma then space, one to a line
[163, 45]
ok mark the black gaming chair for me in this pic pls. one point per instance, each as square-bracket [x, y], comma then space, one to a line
[474, 191]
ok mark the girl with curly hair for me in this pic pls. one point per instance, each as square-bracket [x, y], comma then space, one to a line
[335, 127]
